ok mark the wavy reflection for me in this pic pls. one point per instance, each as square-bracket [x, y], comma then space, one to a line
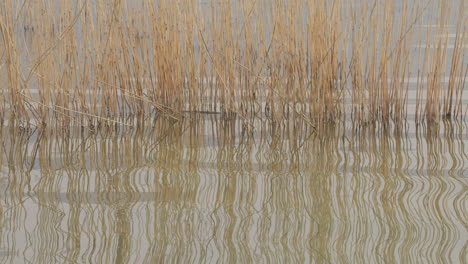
[213, 190]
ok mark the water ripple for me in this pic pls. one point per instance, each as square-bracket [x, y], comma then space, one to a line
[211, 193]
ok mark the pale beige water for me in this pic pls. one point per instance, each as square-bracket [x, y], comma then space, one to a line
[209, 191]
[213, 192]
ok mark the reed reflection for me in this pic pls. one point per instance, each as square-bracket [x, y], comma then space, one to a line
[219, 191]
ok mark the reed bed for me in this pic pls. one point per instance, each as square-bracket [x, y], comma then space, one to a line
[87, 62]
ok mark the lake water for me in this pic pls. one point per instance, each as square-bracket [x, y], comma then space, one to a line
[214, 191]
[207, 190]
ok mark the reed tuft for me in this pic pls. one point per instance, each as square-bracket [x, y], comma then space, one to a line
[88, 62]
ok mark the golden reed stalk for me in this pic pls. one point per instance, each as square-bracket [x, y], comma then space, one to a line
[87, 62]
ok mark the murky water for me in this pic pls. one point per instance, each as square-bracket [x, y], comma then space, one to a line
[215, 191]
[212, 191]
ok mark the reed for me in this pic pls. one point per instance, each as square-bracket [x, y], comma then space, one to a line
[92, 62]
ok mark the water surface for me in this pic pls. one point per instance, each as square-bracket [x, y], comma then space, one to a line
[216, 191]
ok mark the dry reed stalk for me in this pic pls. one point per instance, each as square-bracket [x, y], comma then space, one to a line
[456, 81]
[402, 63]
[358, 38]
[437, 65]
[387, 31]
[423, 74]
[294, 59]
[12, 61]
[3, 90]
[63, 112]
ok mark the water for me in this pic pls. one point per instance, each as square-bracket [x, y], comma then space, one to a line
[215, 191]
[209, 190]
